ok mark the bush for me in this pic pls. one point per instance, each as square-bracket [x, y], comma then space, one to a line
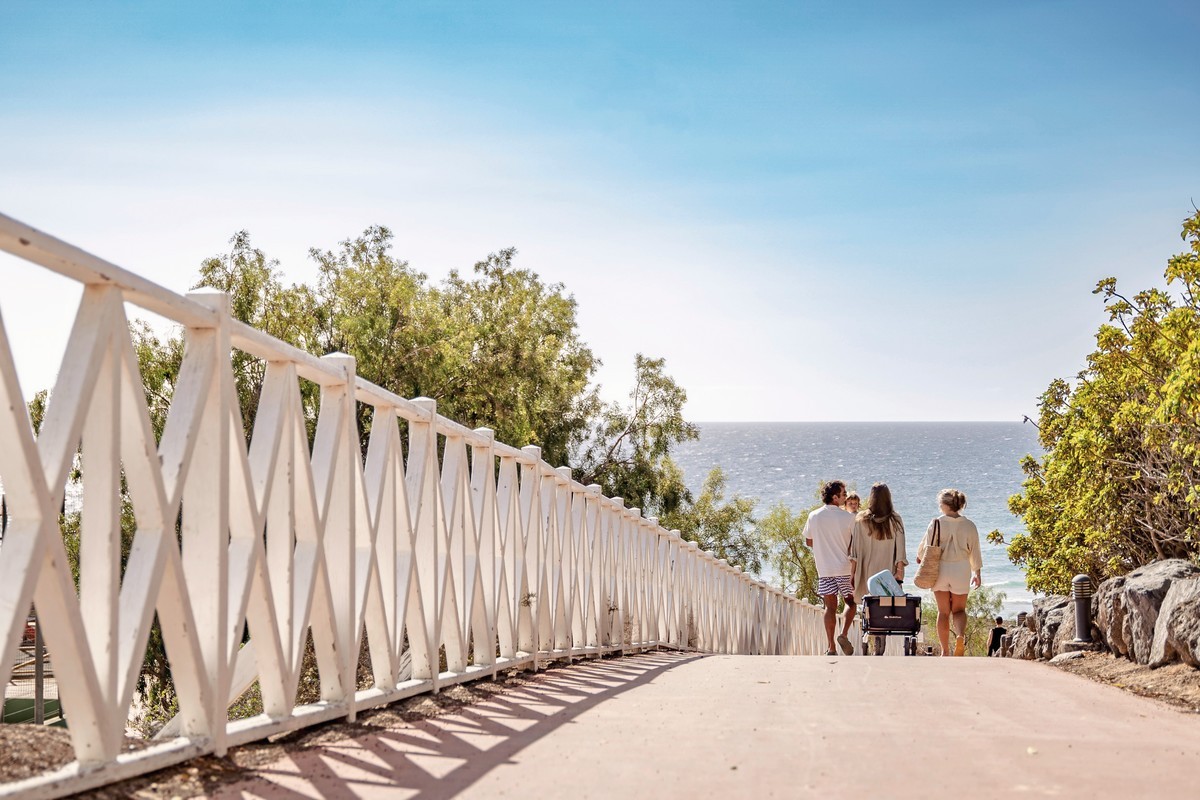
[1117, 487]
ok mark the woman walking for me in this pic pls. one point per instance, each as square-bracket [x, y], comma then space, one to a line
[961, 565]
[876, 544]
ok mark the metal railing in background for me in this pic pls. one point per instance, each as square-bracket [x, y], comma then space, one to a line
[31, 694]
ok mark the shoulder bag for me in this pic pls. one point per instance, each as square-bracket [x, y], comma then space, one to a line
[931, 562]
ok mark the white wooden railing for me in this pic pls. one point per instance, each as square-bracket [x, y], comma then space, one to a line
[441, 544]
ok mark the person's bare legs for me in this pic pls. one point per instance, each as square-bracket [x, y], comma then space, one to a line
[830, 620]
[943, 620]
[958, 616]
[851, 608]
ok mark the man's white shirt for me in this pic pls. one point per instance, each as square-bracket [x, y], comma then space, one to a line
[829, 527]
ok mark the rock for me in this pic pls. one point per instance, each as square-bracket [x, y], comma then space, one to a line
[1049, 613]
[1125, 611]
[1177, 629]
[1108, 612]
[1052, 617]
[1142, 596]
[1061, 657]
[1043, 606]
[1024, 644]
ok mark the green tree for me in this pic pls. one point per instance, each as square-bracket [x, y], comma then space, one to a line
[726, 528]
[528, 372]
[782, 536]
[258, 298]
[627, 448]
[159, 361]
[1117, 486]
[377, 309]
[500, 349]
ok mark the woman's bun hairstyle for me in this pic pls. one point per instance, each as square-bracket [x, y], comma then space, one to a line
[953, 499]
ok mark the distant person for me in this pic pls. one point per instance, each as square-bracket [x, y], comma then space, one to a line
[853, 501]
[960, 568]
[827, 532]
[997, 637]
[876, 545]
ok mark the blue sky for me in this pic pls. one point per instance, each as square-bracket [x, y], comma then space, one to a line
[812, 211]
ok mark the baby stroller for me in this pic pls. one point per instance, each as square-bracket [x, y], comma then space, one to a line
[886, 615]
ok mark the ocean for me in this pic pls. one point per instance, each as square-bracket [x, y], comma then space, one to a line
[787, 461]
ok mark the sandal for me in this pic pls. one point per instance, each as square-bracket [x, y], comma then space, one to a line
[831, 652]
[844, 641]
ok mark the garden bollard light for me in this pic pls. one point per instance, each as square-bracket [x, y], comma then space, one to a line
[1081, 590]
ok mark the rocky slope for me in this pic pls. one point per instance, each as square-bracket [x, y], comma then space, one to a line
[1150, 616]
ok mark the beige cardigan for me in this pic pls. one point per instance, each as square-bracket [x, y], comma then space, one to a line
[960, 541]
[872, 555]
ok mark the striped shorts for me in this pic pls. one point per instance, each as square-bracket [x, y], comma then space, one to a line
[837, 585]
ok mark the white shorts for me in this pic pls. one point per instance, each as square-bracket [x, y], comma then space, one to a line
[954, 577]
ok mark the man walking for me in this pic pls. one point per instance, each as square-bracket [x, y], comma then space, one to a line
[827, 532]
[996, 640]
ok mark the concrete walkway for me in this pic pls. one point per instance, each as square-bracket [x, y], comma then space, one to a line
[669, 725]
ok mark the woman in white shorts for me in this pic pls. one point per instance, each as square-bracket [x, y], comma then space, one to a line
[960, 568]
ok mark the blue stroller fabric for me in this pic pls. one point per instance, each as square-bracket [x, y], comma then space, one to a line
[884, 584]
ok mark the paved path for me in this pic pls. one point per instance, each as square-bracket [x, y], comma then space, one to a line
[669, 725]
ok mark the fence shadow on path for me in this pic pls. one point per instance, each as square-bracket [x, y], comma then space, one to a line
[442, 756]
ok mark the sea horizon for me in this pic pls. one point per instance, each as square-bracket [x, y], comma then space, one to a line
[785, 462]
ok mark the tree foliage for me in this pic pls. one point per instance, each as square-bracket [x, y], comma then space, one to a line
[627, 449]
[724, 527]
[374, 307]
[258, 298]
[782, 535]
[1117, 486]
[528, 371]
[499, 349]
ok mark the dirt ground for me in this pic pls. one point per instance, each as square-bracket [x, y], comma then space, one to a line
[30, 749]
[1175, 684]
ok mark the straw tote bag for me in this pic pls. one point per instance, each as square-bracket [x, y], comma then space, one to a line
[931, 564]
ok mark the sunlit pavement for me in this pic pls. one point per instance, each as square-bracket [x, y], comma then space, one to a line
[670, 725]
